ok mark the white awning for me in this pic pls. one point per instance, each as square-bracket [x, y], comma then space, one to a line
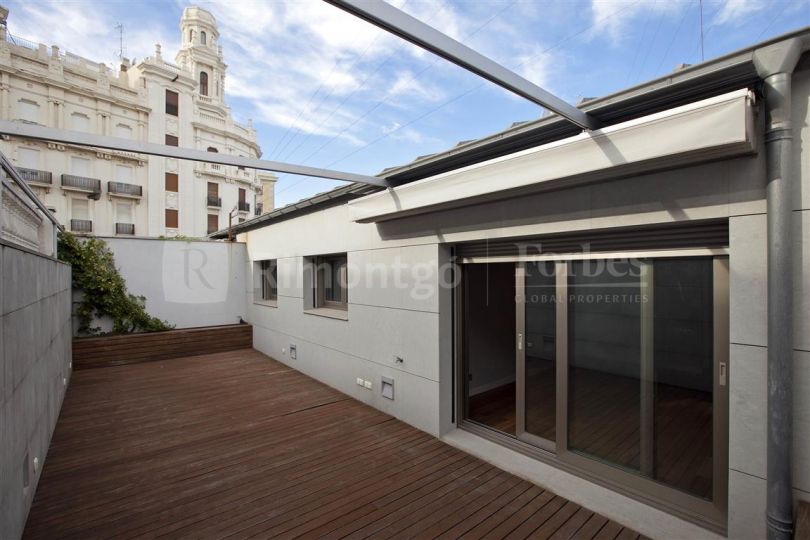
[715, 128]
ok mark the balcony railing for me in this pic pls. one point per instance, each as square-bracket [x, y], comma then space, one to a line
[81, 225]
[244, 206]
[122, 188]
[124, 228]
[259, 208]
[214, 201]
[35, 176]
[80, 182]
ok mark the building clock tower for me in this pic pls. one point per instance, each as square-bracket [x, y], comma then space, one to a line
[201, 54]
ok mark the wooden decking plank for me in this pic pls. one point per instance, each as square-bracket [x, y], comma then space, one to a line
[235, 443]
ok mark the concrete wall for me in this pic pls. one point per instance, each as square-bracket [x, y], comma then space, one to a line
[35, 365]
[188, 283]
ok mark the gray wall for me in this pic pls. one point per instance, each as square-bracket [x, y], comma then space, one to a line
[188, 283]
[35, 364]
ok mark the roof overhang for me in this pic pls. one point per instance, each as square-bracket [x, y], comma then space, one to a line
[716, 128]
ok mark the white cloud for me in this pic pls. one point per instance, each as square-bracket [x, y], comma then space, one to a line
[735, 10]
[611, 18]
[89, 33]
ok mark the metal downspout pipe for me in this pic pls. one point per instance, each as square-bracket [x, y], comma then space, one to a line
[775, 64]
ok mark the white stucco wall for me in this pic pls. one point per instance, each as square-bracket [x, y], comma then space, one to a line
[188, 283]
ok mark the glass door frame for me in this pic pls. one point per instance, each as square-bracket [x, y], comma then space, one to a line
[712, 514]
[561, 346]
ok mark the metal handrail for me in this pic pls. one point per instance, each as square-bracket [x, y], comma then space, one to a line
[214, 201]
[81, 225]
[35, 175]
[125, 228]
[82, 182]
[15, 176]
[124, 189]
[244, 206]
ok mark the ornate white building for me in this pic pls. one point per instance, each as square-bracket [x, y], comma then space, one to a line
[107, 192]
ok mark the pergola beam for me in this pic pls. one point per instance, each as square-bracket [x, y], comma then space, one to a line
[32, 131]
[391, 19]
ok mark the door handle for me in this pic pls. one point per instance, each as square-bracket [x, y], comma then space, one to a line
[520, 341]
[723, 375]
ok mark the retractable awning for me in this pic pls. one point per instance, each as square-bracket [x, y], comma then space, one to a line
[720, 127]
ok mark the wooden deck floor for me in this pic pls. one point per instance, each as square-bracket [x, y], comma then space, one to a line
[237, 445]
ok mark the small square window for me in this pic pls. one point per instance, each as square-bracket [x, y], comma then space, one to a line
[266, 280]
[171, 140]
[330, 282]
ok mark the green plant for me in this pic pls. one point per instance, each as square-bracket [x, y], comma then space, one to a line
[105, 291]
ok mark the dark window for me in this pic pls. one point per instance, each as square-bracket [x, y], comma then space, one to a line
[203, 83]
[241, 195]
[268, 280]
[172, 103]
[202, 38]
[172, 182]
[212, 149]
[171, 219]
[171, 140]
[213, 223]
[213, 189]
[331, 282]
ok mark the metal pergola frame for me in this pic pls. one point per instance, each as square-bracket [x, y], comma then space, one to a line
[397, 22]
[37, 132]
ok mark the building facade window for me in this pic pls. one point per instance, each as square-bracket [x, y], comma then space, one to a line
[330, 282]
[80, 122]
[212, 149]
[80, 166]
[79, 208]
[203, 38]
[123, 131]
[266, 288]
[172, 182]
[123, 212]
[171, 218]
[172, 103]
[123, 173]
[203, 83]
[28, 158]
[28, 111]
[172, 140]
[213, 223]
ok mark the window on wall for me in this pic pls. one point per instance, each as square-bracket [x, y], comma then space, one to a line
[213, 223]
[331, 278]
[172, 140]
[203, 83]
[28, 158]
[28, 111]
[123, 173]
[172, 103]
[172, 182]
[80, 122]
[80, 166]
[171, 218]
[79, 208]
[212, 149]
[123, 212]
[266, 282]
[203, 38]
[123, 131]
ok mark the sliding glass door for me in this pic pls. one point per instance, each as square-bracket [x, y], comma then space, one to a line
[614, 366]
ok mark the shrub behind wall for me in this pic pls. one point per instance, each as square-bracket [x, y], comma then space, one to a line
[104, 291]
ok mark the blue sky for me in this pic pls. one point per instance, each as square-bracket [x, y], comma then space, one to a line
[327, 90]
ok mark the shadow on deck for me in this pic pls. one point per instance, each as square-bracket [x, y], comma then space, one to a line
[237, 444]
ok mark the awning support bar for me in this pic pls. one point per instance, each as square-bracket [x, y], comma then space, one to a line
[32, 131]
